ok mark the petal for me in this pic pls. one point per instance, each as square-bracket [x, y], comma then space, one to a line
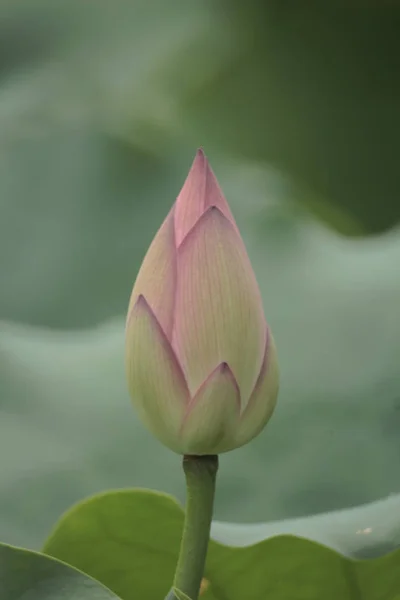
[157, 276]
[263, 399]
[200, 191]
[155, 379]
[213, 414]
[218, 313]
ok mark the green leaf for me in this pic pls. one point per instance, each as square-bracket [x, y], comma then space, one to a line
[139, 532]
[34, 576]
[295, 568]
[362, 532]
[122, 537]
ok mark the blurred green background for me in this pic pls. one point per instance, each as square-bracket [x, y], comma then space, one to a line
[102, 106]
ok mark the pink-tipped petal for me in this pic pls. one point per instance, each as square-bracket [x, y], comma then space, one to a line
[156, 383]
[263, 399]
[218, 313]
[213, 414]
[200, 191]
[157, 276]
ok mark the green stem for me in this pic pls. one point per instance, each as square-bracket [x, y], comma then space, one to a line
[200, 472]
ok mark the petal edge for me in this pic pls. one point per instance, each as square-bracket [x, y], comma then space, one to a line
[263, 400]
[156, 382]
[156, 279]
[219, 314]
[213, 414]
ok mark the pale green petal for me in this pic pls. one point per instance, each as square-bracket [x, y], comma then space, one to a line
[212, 417]
[263, 400]
[157, 276]
[155, 379]
[218, 315]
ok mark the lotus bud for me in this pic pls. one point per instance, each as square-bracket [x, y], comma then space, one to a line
[201, 362]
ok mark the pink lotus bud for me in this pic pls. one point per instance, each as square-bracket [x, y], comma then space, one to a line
[201, 361]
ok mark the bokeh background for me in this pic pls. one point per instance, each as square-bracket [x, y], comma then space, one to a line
[102, 107]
